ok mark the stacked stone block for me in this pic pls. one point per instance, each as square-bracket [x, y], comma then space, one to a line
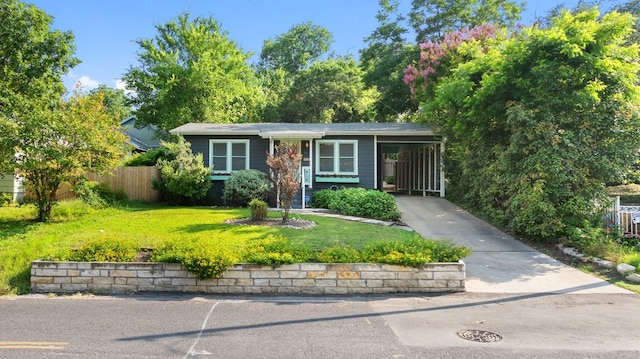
[302, 278]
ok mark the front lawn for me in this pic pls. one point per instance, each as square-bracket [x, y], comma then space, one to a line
[153, 226]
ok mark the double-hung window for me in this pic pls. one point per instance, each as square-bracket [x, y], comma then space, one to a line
[228, 156]
[337, 157]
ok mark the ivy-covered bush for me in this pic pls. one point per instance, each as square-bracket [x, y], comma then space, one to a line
[359, 202]
[243, 186]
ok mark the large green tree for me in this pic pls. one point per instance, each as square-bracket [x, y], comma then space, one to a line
[296, 49]
[329, 91]
[384, 60]
[192, 72]
[33, 57]
[538, 121]
[431, 19]
[53, 144]
[114, 100]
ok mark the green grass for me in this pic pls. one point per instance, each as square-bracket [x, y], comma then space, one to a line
[23, 240]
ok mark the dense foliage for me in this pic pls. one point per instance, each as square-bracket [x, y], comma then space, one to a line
[183, 177]
[192, 72]
[244, 186]
[358, 202]
[537, 120]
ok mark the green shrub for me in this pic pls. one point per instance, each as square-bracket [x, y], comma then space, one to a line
[339, 254]
[322, 198]
[184, 180]
[365, 203]
[149, 158]
[205, 260]
[106, 249]
[390, 179]
[414, 252]
[70, 210]
[97, 195]
[258, 209]
[274, 250]
[6, 199]
[243, 186]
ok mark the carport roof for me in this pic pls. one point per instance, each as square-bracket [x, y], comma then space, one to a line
[305, 130]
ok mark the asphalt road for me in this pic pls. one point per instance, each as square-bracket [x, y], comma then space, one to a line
[529, 305]
[182, 326]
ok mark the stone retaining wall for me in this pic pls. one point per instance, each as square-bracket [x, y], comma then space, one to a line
[302, 278]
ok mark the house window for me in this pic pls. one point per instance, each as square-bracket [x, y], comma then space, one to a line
[228, 156]
[337, 157]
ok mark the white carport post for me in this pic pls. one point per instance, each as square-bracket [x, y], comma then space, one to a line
[442, 186]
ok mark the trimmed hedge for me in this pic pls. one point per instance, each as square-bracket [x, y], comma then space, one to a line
[358, 202]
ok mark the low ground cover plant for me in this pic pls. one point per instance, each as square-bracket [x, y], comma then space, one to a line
[197, 237]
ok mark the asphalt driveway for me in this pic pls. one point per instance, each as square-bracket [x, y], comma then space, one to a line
[499, 263]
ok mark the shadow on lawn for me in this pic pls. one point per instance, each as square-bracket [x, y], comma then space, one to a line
[15, 227]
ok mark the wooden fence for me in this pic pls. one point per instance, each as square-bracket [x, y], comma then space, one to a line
[134, 181]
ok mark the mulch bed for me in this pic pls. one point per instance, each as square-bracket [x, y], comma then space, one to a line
[274, 222]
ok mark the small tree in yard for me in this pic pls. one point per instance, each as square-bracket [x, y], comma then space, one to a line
[183, 177]
[284, 165]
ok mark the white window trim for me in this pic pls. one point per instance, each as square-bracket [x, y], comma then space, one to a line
[336, 157]
[229, 144]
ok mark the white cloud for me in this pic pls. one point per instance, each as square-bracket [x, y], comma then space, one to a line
[87, 83]
[122, 85]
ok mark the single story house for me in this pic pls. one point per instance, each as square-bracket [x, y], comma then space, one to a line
[334, 154]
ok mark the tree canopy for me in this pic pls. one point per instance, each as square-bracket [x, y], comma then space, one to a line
[114, 100]
[192, 72]
[383, 61]
[431, 19]
[32, 56]
[55, 144]
[329, 91]
[296, 49]
[538, 120]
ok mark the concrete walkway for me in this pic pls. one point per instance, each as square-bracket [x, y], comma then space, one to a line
[499, 263]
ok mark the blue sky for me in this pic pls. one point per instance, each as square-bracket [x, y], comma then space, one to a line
[105, 30]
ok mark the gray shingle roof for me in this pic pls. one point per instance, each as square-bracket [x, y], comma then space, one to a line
[314, 130]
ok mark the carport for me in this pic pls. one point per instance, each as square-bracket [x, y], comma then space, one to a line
[415, 165]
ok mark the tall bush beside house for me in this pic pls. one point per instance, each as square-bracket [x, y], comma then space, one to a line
[184, 180]
[537, 120]
[284, 165]
[244, 186]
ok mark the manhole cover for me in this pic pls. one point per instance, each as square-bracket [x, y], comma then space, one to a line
[480, 336]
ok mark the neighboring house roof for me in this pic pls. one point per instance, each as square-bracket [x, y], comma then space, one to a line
[305, 130]
[142, 139]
